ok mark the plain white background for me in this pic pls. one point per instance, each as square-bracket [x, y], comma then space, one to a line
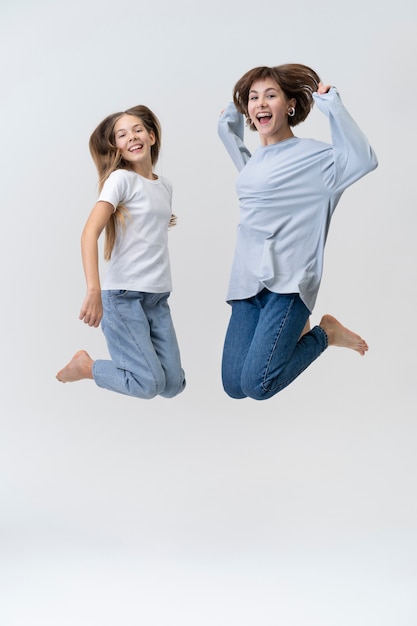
[201, 510]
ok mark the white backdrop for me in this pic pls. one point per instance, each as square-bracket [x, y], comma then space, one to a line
[202, 510]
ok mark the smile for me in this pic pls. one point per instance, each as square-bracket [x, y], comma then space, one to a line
[263, 118]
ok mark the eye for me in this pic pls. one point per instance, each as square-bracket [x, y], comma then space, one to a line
[253, 97]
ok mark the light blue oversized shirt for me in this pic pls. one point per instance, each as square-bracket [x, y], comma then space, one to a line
[287, 194]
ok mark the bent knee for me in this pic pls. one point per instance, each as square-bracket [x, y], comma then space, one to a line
[257, 391]
[145, 390]
[233, 390]
[171, 391]
[257, 394]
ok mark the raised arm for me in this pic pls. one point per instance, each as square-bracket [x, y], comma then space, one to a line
[92, 310]
[353, 156]
[231, 131]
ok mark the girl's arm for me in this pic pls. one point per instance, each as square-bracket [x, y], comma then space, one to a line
[92, 310]
[231, 131]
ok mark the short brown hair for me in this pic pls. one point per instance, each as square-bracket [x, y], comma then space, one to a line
[296, 81]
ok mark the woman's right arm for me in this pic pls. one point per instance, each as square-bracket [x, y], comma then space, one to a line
[231, 131]
[92, 310]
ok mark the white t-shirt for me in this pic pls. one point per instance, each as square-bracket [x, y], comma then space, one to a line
[140, 257]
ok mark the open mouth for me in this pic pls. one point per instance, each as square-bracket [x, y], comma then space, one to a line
[263, 118]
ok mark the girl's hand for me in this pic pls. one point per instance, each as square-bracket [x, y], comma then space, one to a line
[92, 309]
[323, 88]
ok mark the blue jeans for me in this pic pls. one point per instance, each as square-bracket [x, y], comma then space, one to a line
[263, 351]
[145, 358]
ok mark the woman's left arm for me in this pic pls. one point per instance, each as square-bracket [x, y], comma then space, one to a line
[353, 155]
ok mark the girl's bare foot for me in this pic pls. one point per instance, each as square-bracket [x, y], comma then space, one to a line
[80, 367]
[341, 336]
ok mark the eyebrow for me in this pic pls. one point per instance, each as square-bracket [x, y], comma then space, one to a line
[268, 89]
[121, 130]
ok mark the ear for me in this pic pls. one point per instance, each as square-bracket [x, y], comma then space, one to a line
[152, 137]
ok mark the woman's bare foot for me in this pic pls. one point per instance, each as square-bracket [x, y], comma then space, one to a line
[341, 336]
[80, 367]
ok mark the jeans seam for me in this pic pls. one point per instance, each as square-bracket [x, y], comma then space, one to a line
[114, 299]
[286, 382]
[326, 338]
[275, 345]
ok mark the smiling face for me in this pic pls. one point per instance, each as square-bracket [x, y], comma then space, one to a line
[134, 142]
[268, 109]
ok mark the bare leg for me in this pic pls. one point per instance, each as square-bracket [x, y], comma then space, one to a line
[79, 368]
[341, 336]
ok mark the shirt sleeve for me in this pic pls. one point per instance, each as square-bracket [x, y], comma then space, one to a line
[114, 189]
[353, 157]
[231, 131]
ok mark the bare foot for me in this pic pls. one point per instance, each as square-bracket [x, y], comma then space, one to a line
[80, 367]
[341, 336]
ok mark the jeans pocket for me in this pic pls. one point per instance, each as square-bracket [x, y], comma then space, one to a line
[117, 293]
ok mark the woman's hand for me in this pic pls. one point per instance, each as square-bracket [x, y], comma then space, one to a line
[323, 88]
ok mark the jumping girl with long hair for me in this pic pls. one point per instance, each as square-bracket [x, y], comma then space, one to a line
[134, 208]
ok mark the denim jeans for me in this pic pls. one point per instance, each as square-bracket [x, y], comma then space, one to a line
[145, 358]
[263, 351]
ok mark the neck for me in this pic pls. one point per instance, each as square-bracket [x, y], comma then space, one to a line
[270, 141]
[145, 171]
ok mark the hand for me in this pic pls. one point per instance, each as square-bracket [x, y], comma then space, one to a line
[323, 88]
[92, 309]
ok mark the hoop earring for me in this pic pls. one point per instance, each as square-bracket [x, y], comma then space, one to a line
[291, 112]
[248, 122]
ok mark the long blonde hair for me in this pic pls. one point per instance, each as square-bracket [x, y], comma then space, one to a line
[107, 159]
